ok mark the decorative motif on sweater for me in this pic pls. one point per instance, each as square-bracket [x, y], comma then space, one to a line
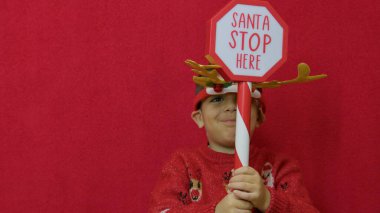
[182, 196]
[226, 179]
[195, 186]
[284, 186]
[266, 174]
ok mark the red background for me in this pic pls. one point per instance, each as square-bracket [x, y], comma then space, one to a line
[94, 96]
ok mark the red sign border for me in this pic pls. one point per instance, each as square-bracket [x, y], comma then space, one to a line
[225, 72]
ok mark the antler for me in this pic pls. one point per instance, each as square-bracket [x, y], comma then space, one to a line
[303, 77]
[208, 76]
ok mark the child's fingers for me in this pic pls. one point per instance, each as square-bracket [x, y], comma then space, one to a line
[245, 170]
[243, 186]
[242, 211]
[232, 201]
[248, 196]
[245, 178]
[242, 204]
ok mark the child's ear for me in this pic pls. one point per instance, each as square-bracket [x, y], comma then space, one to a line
[260, 117]
[197, 118]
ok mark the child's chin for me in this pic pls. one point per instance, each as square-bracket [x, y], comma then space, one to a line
[231, 139]
[229, 142]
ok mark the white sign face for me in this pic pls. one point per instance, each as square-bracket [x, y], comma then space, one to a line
[249, 40]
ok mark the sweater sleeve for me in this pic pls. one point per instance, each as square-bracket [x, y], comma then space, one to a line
[171, 193]
[289, 193]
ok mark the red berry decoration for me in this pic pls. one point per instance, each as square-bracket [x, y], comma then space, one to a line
[218, 87]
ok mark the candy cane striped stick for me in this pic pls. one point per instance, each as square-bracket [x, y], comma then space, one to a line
[243, 119]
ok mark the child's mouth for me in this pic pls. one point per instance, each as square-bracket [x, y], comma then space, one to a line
[229, 122]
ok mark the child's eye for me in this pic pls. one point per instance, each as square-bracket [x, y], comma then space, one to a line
[217, 99]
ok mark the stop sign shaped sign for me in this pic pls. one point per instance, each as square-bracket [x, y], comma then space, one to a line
[249, 40]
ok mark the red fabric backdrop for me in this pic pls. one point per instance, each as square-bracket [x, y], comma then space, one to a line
[94, 96]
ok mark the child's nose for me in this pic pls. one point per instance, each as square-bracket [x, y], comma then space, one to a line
[230, 103]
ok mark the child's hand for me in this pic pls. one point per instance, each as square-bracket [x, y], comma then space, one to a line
[247, 184]
[230, 203]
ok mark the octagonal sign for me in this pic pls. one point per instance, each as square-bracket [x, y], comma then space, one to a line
[249, 40]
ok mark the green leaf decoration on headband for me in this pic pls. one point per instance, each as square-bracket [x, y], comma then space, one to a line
[208, 75]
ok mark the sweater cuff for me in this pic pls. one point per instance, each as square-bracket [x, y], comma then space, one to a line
[212, 208]
[278, 202]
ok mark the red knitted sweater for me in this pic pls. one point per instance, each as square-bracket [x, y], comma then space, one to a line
[195, 181]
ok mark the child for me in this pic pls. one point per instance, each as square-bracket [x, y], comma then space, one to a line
[202, 180]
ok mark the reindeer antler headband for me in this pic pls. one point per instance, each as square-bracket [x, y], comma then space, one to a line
[208, 77]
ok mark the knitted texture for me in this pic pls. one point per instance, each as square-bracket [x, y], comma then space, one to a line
[195, 180]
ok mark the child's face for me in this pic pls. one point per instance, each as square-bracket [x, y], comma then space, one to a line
[218, 116]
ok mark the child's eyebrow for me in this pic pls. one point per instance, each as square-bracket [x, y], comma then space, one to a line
[217, 96]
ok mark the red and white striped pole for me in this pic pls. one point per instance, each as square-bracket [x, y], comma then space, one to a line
[243, 120]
